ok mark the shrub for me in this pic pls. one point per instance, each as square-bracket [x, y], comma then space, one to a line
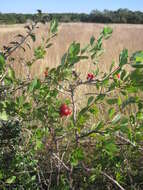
[96, 146]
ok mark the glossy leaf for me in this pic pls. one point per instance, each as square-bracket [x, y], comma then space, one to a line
[53, 26]
[11, 180]
[107, 31]
[116, 119]
[123, 58]
[90, 100]
[137, 59]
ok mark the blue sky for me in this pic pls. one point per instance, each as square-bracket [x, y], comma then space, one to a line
[30, 6]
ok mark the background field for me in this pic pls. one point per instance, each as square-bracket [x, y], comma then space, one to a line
[124, 36]
[101, 144]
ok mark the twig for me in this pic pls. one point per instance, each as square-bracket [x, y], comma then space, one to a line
[66, 167]
[106, 175]
[21, 42]
[39, 179]
[113, 180]
[50, 178]
[74, 112]
[128, 141]
[90, 133]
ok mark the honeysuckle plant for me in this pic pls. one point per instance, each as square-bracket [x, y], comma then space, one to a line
[48, 142]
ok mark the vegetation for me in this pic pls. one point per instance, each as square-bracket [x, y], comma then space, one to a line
[106, 16]
[47, 142]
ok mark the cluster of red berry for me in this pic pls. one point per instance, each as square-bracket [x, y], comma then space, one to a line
[90, 76]
[65, 110]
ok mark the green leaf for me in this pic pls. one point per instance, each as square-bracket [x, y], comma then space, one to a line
[111, 148]
[107, 31]
[138, 65]
[99, 125]
[33, 37]
[39, 144]
[2, 62]
[111, 112]
[90, 100]
[63, 60]
[74, 49]
[4, 116]
[81, 120]
[136, 77]
[137, 59]
[83, 111]
[100, 97]
[112, 65]
[11, 180]
[94, 110]
[139, 116]
[53, 26]
[123, 126]
[11, 73]
[35, 84]
[132, 89]
[123, 58]
[92, 40]
[112, 101]
[123, 74]
[119, 101]
[49, 45]
[39, 52]
[116, 119]
[76, 156]
[124, 122]
[1, 175]
[33, 178]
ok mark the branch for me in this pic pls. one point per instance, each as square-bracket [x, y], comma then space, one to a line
[66, 167]
[74, 112]
[128, 141]
[106, 175]
[90, 133]
[113, 180]
[21, 42]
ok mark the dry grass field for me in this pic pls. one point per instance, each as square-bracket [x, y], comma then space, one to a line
[124, 36]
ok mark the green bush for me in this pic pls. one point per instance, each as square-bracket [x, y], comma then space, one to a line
[47, 142]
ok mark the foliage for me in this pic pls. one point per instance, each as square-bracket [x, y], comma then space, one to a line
[47, 142]
[106, 16]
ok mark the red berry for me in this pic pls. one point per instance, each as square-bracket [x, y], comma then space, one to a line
[70, 111]
[63, 107]
[65, 110]
[90, 76]
[118, 76]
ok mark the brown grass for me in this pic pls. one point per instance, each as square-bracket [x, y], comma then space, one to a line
[124, 36]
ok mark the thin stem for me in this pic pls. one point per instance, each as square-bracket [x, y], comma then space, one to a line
[21, 42]
[74, 113]
[113, 180]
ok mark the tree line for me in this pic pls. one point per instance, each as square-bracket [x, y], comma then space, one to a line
[96, 16]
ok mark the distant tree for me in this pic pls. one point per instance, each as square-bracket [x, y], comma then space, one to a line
[106, 16]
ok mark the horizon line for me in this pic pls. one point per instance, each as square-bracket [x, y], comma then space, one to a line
[59, 12]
